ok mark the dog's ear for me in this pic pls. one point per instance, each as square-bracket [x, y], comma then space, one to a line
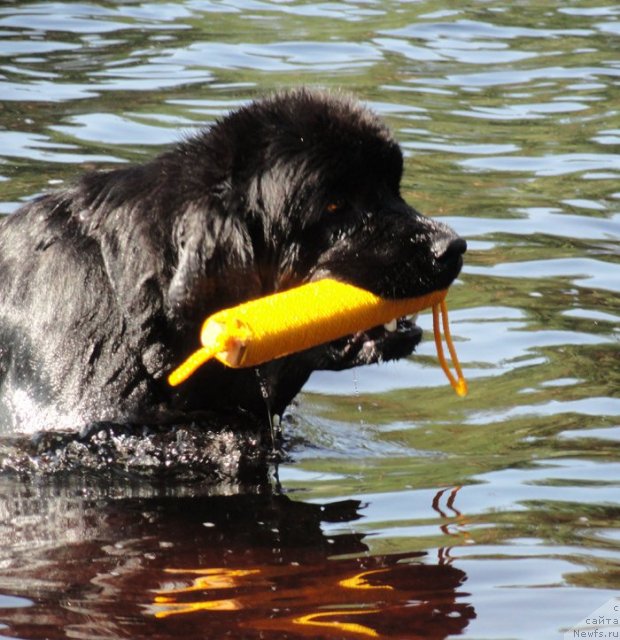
[132, 258]
[215, 265]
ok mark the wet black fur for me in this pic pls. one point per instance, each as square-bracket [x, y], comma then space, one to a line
[104, 283]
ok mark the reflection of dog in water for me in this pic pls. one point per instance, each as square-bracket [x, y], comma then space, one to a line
[215, 566]
[395, 595]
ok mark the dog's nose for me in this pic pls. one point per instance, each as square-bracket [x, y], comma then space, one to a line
[449, 248]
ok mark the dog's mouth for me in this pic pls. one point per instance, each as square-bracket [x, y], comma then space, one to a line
[391, 341]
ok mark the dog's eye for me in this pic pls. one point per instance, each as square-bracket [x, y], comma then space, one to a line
[335, 206]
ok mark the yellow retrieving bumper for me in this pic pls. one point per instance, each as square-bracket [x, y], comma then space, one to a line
[309, 315]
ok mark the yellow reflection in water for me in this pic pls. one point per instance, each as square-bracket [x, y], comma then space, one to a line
[169, 600]
[359, 581]
[313, 619]
[167, 607]
[215, 578]
[336, 599]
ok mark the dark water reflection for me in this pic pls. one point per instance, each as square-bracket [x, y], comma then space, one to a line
[110, 561]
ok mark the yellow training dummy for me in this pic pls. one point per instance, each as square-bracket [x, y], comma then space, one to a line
[315, 313]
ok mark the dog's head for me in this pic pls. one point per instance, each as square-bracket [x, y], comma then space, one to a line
[295, 188]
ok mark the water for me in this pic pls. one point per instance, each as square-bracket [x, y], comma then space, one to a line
[422, 514]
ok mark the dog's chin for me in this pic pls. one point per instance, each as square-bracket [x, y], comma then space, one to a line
[392, 341]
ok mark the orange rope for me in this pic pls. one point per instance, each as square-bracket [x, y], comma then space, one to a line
[187, 368]
[459, 384]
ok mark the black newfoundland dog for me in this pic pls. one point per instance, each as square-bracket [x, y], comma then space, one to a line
[105, 283]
